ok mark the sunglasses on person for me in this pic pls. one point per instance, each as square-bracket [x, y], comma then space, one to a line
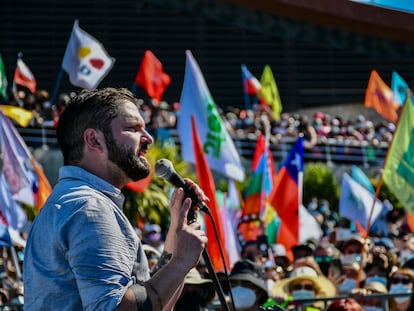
[320, 259]
[300, 286]
[402, 280]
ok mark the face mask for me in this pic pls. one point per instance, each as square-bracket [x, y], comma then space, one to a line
[350, 259]
[243, 297]
[347, 286]
[371, 308]
[19, 300]
[377, 278]
[400, 289]
[303, 294]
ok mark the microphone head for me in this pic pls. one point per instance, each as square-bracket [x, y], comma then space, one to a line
[164, 168]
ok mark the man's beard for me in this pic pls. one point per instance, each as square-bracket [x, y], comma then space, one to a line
[127, 160]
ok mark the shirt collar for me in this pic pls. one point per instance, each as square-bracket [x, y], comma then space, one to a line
[78, 173]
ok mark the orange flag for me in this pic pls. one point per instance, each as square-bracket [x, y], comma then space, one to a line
[206, 181]
[151, 76]
[379, 96]
[44, 188]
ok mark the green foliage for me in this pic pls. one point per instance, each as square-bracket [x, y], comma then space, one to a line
[153, 204]
[319, 181]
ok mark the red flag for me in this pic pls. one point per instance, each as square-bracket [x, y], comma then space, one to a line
[140, 185]
[151, 76]
[285, 197]
[23, 76]
[206, 181]
[380, 97]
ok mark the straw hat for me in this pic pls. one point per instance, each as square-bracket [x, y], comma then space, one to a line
[193, 277]
[324, 287]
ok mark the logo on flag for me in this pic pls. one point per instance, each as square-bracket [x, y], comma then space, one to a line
[222, 155]
[85, 60]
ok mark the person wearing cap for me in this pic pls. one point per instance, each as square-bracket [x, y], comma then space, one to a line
[304, 284]
[197, 293]
[280, 258]
[248, 287]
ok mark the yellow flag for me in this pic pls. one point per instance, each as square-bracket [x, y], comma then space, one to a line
[269, 93]
[20, 115]
[399, 167]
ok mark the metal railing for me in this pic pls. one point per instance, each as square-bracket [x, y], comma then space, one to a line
[298, 304]
[329, 151]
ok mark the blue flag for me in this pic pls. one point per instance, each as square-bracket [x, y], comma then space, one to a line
[359, 176]
[399, 87]
[5, 239]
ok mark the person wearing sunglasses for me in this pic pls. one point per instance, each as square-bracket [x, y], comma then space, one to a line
[401, 282]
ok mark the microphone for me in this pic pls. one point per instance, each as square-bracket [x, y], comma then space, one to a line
[164, 169]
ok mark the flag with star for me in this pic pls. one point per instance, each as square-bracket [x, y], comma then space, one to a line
[286, 196]
[356, 202]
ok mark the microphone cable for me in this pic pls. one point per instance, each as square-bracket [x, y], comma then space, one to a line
[208, 212]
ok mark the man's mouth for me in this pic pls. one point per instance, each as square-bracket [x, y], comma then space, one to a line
[143, 149]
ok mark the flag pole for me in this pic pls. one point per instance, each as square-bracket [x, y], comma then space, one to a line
[246, 95]
[377, 191]
[57, 86]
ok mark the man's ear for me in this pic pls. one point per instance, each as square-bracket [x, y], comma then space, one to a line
[93, 139]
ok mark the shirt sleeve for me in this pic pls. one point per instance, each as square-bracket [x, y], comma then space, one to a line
[100, 250]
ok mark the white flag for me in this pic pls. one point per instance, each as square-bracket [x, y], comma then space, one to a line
[85, 60]
[356, 202]
[221, 153]
[309, 228]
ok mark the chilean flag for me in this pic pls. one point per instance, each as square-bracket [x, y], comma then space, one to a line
[286, 196]
[23, 76]
[251, 85]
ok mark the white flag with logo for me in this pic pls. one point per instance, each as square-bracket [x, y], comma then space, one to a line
[356, 202]
[221, 153]
[85, 60]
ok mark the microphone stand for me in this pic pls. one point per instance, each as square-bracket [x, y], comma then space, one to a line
[215, 280]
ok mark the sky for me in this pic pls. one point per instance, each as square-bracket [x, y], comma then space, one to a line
[401, 5]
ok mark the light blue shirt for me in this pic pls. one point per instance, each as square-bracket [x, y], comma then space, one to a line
[82, 252]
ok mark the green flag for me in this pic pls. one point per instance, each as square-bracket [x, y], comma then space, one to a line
[269, 93]
[3, 81]
[399, 167]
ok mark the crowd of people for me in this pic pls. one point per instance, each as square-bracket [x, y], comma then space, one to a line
[241, 123]
[342, 268]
